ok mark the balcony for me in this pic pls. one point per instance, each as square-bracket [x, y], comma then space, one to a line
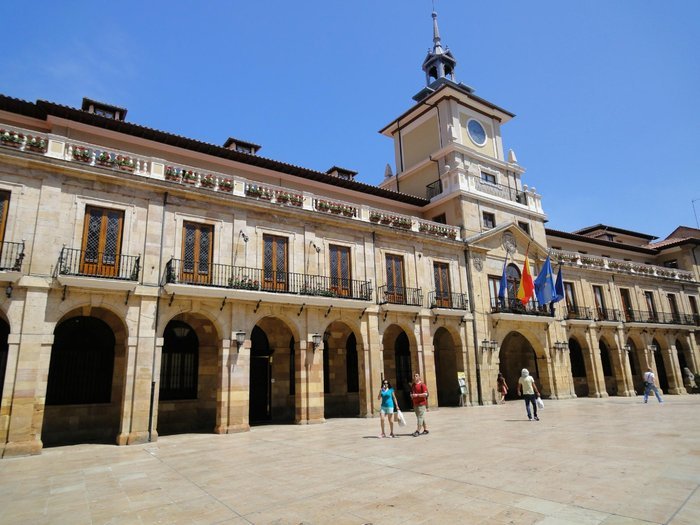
[11, 256]
[400, 295]
[98, 270]
[433, 189]
[504, 192]
[515, 306]
[640, 316]
[454, 301]
[606, 314]
[579, 312]
[226, 276]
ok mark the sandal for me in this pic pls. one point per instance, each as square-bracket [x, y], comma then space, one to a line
[382, 436]
[416, 434]
[426, 432]
[392, 435]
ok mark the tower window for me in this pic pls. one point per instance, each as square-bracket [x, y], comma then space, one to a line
[489, 220]
[488, 177]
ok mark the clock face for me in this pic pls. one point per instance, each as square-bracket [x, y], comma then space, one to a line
[476, 132]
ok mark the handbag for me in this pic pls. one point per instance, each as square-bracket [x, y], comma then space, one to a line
[540, 403]
[400, 418]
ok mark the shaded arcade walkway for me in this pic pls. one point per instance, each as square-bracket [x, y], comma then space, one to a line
[589, 461]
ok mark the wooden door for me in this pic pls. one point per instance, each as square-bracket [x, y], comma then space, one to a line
[197, 249]
[275, 270]
[102, 239]
[442, 285]
[340, 270]
[395, 292]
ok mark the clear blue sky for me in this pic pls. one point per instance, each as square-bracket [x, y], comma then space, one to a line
[606, 92]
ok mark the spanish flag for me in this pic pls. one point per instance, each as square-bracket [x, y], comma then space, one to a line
[526, 288]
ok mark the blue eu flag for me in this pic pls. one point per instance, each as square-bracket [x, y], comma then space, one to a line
[544, 284]
[503, 287]
[558, 288]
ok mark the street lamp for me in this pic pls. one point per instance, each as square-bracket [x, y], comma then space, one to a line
[316, 341]
[240, 339]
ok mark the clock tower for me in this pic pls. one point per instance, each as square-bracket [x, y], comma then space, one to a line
[448, 149]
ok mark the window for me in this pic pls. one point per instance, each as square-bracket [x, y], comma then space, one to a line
[198, 241]
[104, 113]
[179, 362]
[626, 305]
[651, 306]
[440, 219]
[570, 296]
[693, 305]
[525, 227]
[340, 270]
[394, 279]
[4, 207]
[671, 264]
[599, 302]
[442, 285]
[488, 177]
[674, 307]
[275, 269]
[102, 239]
[489, 220]
[494, 284]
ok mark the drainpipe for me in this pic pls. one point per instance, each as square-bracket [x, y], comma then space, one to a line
[472, 309]
[155, 326]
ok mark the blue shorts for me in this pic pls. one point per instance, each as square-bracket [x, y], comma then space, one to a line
[386, 410]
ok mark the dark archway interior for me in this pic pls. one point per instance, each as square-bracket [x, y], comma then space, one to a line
[578, 368]
[517, 353]
[4, 351]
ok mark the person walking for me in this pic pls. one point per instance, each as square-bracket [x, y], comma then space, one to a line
[650, 385]
[528, 389]
[389, 405]
[502, 387]
[419, 397]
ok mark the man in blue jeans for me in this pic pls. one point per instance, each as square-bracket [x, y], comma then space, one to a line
[649, 385]
[528, 389]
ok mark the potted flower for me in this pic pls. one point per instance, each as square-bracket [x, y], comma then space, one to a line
[104, 159]
[252, 191]
[11, 138]
[348, 211]
[402, 222]
[296, 200]
[322, 205]
[125, 163]
[171, 173]
[385, 219]
[38, 144]
[207, 181]
[374, 216]
[282, 198]
[81, 154]
[452, 234]
[265, 194]
[189, 176]
[226, 185]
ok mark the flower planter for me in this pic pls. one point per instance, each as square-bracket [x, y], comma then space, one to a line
[126, 167]
[11, 143]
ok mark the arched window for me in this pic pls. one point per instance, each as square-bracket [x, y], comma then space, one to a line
[82, 362]
[179, 362]
[513, 278]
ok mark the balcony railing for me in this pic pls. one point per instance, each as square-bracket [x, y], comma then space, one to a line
[606, 314]
[433, 189]
[505, 192]
[108, 265]
[515, 306]
[641, 316]
[455, 301]
[400, 295]
[178, 271]
[579, 312]
[11, 256]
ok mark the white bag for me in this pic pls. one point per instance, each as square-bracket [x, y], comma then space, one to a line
[402, 420]
[540, 403]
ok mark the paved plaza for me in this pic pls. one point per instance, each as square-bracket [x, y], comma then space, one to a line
[588, 461]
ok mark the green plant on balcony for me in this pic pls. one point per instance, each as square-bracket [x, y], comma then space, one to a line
[282, 197]
[125, 163]
[207, 181]
[385, 219]
[243, 283]
[11, 138]
[172, 173]
[104, 158]
[296, 200]
[189, 176]
[253, 191]
[39, 144]
[82, 154]
[265, 194]
[226, 185]
[374, 216]
[401, 222]
[322, 205]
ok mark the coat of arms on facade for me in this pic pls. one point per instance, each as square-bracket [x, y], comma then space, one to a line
[508, 242]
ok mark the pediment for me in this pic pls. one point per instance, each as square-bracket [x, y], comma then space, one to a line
[496, 241]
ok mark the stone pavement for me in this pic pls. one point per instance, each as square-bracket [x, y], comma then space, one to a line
[588, 461]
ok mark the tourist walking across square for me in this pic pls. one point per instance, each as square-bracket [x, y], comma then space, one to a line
[389, 406]
[419, 396]
[649, 384]
[528, 389]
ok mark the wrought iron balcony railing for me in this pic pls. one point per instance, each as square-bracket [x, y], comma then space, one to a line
[579, 312]
[11, 256]
[505, 192]
[641, 316]
[455, 301]
[108, 265]
[433, 189]
[515, 306]
[196, 273]
[606, 314]
[400, 295]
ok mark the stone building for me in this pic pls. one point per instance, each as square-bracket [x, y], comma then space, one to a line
[156, 284]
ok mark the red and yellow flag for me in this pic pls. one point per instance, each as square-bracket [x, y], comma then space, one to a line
[527, 287]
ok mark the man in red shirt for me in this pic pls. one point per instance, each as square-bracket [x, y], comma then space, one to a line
[419, 396]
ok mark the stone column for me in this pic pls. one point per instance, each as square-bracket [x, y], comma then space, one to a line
[426, 360]
[623, 374]
[8, 387]
[371, 365]
[128, 396]
[675, 379]
[596, 383]
[226, 391]
[309, 387]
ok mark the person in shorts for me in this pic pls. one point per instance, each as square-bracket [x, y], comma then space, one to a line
[389, 404]
[419, 397]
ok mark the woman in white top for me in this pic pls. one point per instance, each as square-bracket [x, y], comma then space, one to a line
[528, 389]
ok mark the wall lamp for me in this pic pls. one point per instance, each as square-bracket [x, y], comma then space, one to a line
[240, 339]
[561, 346]
[627, 348]
[654, 348]
[316, 341]
[487, 345]
[8, 290]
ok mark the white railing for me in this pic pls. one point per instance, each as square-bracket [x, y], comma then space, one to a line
[596, 262]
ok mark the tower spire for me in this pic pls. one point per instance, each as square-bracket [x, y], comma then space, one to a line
[439, 63]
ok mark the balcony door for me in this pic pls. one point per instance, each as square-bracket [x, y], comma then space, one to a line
[651, 306]
[626, 304]
[599, 302]
[275, 256]
[340, 270]
[395, 292]
[198, 242]
[442, 285]
[102, 239]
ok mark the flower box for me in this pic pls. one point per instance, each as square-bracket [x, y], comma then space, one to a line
[384, 219]
[296, 200]
[189, 177]
[400, 222]
[226, 185]
[13, 139]
[125, 163]
[82, 154]
[172, 174]
[104, 159]
[253, 191]
[282, 198]
[38, 144]
[374, 217]
[244, 283]
[207, 181]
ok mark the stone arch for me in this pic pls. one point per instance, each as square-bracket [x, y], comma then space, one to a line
[448, 363]
[190, 354]
[274, 370]
[340, 371]
[579, 367]
[523, 349]
[89, 342]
